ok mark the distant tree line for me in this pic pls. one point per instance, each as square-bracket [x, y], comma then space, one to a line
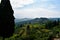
[51, 24]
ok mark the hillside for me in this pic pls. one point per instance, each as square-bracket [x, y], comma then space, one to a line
[36, 20]
[36, 29]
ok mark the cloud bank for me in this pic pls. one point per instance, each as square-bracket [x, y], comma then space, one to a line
[36, 12]
[36, 8]
[20, 3]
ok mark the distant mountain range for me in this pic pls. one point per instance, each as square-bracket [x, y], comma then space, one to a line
[54, 19]
[23, 19]
[35, 20]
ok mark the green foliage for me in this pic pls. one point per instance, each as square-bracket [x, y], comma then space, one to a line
[35, 31]
[51, 24]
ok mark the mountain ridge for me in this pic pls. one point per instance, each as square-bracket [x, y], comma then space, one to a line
[37, 20]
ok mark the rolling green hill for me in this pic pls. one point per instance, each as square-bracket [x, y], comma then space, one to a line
[36, 29]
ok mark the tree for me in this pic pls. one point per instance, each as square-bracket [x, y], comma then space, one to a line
[6, 19]
[48, 24]
[51, 24]
[28, 29]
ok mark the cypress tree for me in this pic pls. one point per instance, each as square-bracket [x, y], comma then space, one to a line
[6, 19]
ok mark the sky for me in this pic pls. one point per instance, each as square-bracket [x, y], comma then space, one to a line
[36, 8]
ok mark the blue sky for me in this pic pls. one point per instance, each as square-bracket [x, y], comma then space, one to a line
[36, 8]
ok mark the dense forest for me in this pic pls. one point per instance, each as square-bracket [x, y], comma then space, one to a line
[40, 29]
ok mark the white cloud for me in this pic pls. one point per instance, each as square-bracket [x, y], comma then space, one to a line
[37, 12]
[34, 12]
[20, 3]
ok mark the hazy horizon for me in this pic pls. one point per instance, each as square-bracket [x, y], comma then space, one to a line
[37, 17]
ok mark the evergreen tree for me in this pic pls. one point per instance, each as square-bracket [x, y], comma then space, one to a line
[6, 19]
